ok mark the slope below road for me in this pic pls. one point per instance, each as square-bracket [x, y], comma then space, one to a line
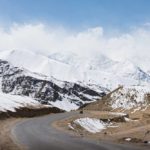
[38, 133]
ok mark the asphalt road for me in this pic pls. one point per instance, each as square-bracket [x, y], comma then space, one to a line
[39, 134]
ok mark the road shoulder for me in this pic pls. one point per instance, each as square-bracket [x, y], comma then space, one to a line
[7, 141]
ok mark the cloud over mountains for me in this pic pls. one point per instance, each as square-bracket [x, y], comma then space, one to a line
[46, 39]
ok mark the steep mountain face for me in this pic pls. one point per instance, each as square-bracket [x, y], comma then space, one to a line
[62, 94]
[66, 80]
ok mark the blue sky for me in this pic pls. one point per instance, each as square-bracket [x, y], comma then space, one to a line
[116, 14]
[117, 28]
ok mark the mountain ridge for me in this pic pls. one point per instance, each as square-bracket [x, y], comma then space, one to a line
[98, 69]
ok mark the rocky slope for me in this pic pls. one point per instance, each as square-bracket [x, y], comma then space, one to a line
[133, 98]
[61, 94]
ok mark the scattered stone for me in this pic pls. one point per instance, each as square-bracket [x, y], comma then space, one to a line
[146, 142]
[81, 111]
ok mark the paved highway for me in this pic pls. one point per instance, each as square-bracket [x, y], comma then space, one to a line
[39, 134]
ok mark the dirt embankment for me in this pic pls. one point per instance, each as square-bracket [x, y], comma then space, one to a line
[29, 112]
[6, 142]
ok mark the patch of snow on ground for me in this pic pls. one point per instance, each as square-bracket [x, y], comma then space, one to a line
[136, 109]
[113, 126]
[127, 119]
[118, 114]
[92, 125]
[128, 139]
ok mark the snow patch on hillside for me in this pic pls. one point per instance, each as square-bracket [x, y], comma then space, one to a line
[11, 102]
[92, 125]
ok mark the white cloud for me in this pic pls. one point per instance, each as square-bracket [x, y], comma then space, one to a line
[44, 39]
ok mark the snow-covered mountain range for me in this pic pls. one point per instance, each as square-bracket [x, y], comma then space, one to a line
[47, 90]
[70, 67]
[65, 80]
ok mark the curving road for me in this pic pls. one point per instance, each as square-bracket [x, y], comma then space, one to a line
[39, 134]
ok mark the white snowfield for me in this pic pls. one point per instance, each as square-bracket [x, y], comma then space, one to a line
[11, 102]
[92, 125]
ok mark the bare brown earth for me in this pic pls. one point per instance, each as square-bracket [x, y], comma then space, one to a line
[138, 129]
